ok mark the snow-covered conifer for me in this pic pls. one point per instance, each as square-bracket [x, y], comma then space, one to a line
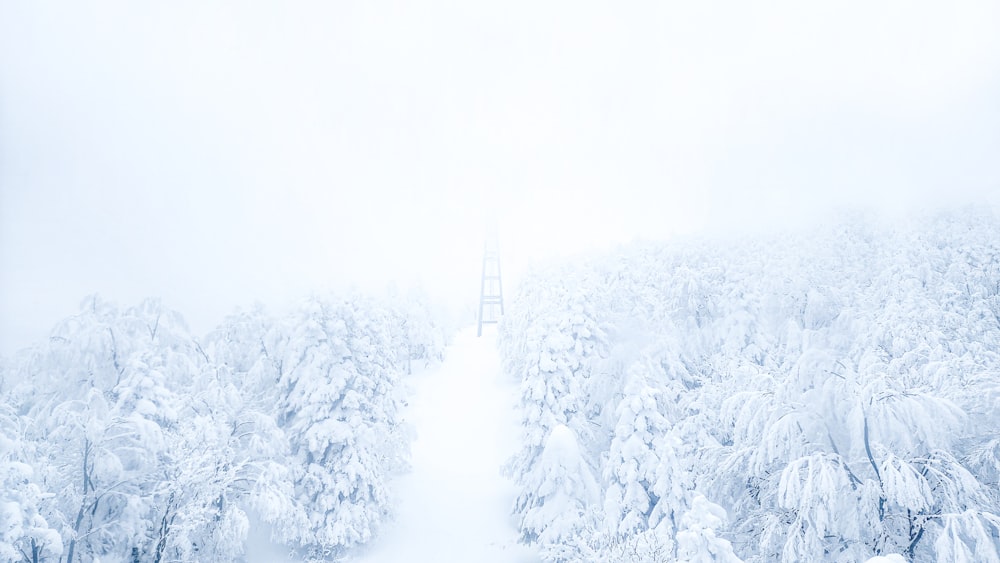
[559, 491]
[339, 402]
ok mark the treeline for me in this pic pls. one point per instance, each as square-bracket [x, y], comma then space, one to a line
[125, 438]
[827, 397]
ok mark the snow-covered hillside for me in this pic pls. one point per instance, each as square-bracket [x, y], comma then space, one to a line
[124, 438]
[829, 397]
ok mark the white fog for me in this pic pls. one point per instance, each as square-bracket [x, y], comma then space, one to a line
[695, 202]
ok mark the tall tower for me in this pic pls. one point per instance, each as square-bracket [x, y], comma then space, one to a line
[491, 289]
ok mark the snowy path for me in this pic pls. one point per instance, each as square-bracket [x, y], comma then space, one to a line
[454, 506]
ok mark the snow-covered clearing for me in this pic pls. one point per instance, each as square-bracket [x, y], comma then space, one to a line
[455, 504]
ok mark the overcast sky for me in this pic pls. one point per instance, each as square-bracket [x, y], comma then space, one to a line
[219, 153]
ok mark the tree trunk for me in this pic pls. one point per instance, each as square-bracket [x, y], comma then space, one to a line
[83, 501]
[165, 522]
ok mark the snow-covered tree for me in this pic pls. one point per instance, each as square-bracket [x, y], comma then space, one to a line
[339, 408]
[559, 492]
[833, 392]
[25, 535]
[137, 470]
[635, 451]
[125, 438]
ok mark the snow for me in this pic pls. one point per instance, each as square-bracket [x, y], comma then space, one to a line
[455, 505]
[561, 444]
[660, 403]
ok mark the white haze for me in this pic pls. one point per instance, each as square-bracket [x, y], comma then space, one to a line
[219, 153]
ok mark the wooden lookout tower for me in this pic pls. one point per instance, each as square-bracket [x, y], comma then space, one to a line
[491, 288]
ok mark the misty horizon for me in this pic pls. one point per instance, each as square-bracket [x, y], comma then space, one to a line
[216, 155]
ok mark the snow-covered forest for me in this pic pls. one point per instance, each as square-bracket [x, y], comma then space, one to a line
[748, 308]
[825, 397]
[126, 438]
[832, 395]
